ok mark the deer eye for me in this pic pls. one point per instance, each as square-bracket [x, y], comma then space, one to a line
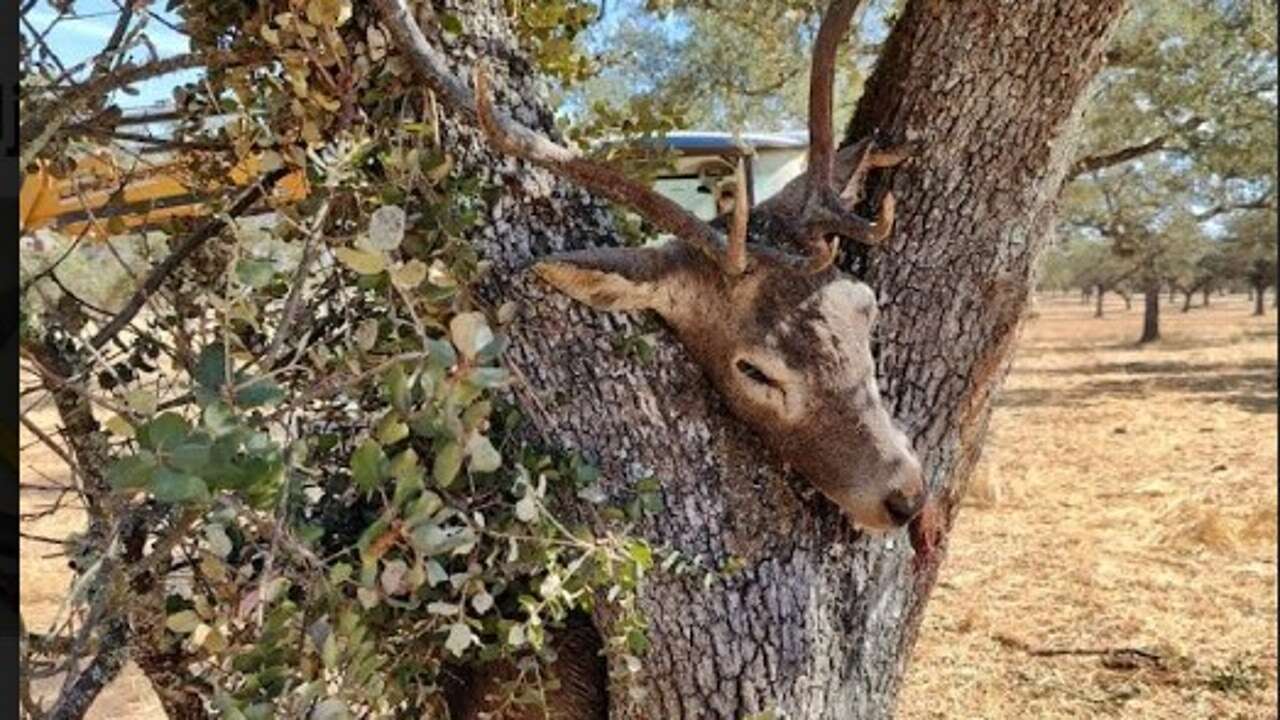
[755, 373]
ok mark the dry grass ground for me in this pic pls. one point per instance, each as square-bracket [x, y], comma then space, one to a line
[1126, 499]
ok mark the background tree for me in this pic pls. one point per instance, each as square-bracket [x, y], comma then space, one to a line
[724, 65]
[1183, 114]
[1250, 252]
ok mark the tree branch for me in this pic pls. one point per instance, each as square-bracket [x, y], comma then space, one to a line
[1263, 203]
[76, 696]
[68, 102]
[1090, 163]
[209, 229]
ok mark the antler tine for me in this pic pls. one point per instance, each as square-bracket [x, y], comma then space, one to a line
[736, 250]
[835, 22]
[824, 211]
[514, 138]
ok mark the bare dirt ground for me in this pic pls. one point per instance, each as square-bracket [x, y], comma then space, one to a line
[1126, 500]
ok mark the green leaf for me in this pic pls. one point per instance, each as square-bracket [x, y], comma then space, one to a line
[442, 354]
[211, 367]
[451, 23]
[397, 384]
[460, 638]
[641, 554]
[436, 573]
[255, 273]
[637, 641]
[364, 262]
[367, 538]
[386, 229]
[367, 463]
[120, 426]
[469, 332]
[132, 472]
[218, 419]
[182, 622]
[484, 456]
[163, 432]
[409, 275]
[191, 456]
[409, 476]
[527, 508]
[175, 487]
[492, 350]
[340, 573]
[331, 709]
[489, 377]
[263, 391]
[391, 429]
[423, 507]
[219, 543]
[447, 464]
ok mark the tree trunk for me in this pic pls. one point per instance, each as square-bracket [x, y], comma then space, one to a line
[1259, 294]
[1098, 298]
[1186, 300]
[819, 622]
[1205, 294]
[1085, 294]
[1127, 297]
[1150, 314]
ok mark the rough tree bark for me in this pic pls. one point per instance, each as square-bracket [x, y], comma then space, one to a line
[1099, 296]
[1259, 294]
[1150, 313]
[820, 621]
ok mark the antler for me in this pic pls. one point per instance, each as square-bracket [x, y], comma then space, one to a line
[824, 211]
[513, 138]
[736, 252]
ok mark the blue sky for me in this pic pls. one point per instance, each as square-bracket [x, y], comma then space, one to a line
[76, 38]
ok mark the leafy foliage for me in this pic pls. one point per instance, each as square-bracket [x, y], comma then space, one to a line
[311, 420]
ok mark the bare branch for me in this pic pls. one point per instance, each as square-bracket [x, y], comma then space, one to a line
[77, 695]
[212, 227]
[98, 86]
[1263, 203]
[1091, 163]
[513, 138]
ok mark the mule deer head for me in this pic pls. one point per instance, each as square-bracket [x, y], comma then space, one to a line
[784, 337]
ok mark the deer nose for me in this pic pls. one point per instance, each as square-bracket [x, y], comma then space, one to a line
[903, 507]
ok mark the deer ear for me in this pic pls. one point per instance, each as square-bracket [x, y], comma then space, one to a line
[615, 278]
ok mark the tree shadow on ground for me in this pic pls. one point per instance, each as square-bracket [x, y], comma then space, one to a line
[1249, 386]
[1034, 350]
[1166, 367]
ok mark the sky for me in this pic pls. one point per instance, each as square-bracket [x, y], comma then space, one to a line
[76, 38]
[82, 36]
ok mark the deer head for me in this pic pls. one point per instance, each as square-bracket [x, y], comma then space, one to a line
[785, 338]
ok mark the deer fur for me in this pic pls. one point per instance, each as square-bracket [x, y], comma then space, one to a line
[788, 350]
